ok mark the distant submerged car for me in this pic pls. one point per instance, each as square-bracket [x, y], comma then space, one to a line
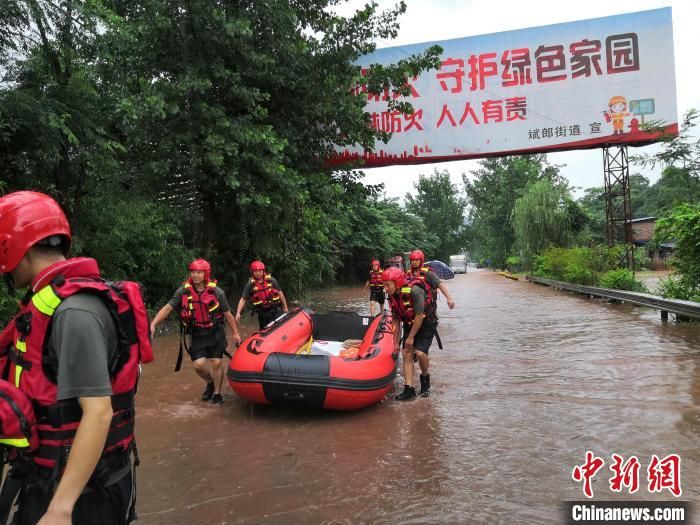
[458, 263]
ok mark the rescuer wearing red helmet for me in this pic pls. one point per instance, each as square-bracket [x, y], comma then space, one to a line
[376, 288]
[412, 304]
[203, 307]
[420, 270]
[64, 359]
[265, 295]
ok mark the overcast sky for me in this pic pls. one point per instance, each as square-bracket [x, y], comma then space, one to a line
[427, 20]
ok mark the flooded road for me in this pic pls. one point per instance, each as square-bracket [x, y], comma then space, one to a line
[529, 380]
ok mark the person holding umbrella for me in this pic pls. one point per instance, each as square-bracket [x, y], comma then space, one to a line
[420, 270]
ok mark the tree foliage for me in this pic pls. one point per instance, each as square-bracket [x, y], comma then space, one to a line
[169, 129]
[492, 195]
[544, 216]
[681, 155]
[441, 207]
[683, 226]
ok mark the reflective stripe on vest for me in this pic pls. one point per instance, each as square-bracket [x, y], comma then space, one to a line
[46, 301]
[196, 316]
[20, 346]
[21, 443]
[263, 292]
[375, 279]
[33, 370]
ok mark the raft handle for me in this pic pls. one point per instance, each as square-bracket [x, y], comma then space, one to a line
[293, 395]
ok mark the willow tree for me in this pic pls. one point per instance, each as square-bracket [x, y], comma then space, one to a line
[492, 191]
[542, 218]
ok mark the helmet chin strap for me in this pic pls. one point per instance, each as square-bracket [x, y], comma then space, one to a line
[10, 283]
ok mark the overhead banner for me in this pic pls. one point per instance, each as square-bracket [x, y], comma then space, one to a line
[566, 86]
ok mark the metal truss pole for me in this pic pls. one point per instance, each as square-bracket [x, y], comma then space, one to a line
[618, 205]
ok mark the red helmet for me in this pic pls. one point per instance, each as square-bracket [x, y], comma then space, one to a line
[27, 217]
[394, 274]
[257, 265]
[375, 261]
[417, 254]
[202, 266]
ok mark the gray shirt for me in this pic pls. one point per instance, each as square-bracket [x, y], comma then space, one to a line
[176, 300]
[84, 340]
[247, 289]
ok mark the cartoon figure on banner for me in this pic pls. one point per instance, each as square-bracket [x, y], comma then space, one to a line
[617, 112]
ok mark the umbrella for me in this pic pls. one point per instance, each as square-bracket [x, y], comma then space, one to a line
[441, 269]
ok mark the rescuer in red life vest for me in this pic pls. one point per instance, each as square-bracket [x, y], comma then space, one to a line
[203, 307]
[70, 357]
[376, 288]
[265, 295]
[420, 270]
[412, 303]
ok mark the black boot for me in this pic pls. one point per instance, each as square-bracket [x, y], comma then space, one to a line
[217, 399]
[208, 392]
[424, 385]
[408, 393]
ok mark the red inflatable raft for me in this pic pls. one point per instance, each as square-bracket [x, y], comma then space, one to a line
[274, 366]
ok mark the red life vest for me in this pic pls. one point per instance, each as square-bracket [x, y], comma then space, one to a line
[402, 303]
[262, 294]
[31, 368]
[422, 274]
[375, 279]
[200, 309]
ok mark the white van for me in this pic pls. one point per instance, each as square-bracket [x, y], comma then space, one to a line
[458, 263]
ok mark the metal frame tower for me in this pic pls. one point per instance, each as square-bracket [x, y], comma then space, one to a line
[618, 205]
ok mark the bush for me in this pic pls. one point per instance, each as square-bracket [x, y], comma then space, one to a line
[575, 265]
[621, 279]
[577, 274]
[513, 263]
[675, 287]
[596, 266]
[641, 259]
[683, 226]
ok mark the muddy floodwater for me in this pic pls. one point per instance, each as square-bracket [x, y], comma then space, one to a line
[529, 380]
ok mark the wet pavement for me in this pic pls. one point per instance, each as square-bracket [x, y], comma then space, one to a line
[529, 380]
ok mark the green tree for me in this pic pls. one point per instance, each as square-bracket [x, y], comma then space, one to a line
[675, 187]
[209, 121]
[377, 228]
[680, 157]
[441, 207]
[51, 134]
[231, 124]
[644, 204]
[492, 194]
[683, 226]
[544, 216]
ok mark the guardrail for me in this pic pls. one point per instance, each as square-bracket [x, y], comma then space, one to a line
[682, 309]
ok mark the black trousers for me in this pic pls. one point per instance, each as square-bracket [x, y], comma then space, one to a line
[265, 317]
[100, 506]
